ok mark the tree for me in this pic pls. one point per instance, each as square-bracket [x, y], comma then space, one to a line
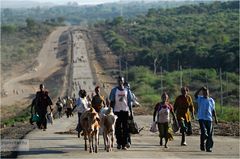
[60, 20]
[11, 28]
[118, 21]
[118, 45]
[30, 23]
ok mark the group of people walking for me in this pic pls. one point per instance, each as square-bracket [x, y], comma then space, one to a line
[121, 100]
[182, 111]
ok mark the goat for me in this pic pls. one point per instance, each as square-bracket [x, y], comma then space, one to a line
[108, 120]
[90, 123]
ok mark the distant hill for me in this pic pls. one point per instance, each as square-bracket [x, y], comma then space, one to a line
[24, 4]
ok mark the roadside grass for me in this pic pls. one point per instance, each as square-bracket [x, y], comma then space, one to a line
[227, 113]
[22, 116]
[147, 87]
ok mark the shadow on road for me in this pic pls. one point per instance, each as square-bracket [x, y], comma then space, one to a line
[41, 152]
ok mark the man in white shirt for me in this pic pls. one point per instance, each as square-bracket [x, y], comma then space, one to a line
[81, 106]
[121, 102]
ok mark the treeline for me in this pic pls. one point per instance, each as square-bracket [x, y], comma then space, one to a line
[149, 86]
[193, 36]
[75, 14]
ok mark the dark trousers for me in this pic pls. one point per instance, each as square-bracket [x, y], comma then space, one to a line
[69, 112]
[59, 112]
[185, 127]
[43, 120]
[163, 130]
[206, 134]
[79, 128]
[121, 128]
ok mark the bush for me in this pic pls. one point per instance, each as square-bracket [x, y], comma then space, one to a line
[147, 87]
[227, 113]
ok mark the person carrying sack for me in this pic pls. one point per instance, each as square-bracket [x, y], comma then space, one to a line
[42, 102]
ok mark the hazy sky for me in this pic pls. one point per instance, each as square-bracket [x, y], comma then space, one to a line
[79, 1]
[83, 1]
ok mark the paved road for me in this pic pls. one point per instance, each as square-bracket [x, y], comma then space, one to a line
[53, 143]
[82, 74]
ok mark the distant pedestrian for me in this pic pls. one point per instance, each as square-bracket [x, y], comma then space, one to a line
[98, 100]
[69, 105]
[162, 110]
[43, 101]
[206, 112]
[183, 106]
[59, 105]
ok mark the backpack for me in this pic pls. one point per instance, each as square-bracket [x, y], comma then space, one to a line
[163, 115]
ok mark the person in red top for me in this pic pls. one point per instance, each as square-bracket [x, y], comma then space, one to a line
[163, 110]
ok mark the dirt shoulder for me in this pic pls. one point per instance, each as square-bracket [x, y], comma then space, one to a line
[46, 64]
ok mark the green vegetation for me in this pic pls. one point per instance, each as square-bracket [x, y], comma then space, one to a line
[22, 116]
[193, 36]
[75, 14]
[144, 82]
[148, 87]
[192, 42]
[227, 113]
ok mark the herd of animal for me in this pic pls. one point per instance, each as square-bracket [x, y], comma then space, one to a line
[92, 123]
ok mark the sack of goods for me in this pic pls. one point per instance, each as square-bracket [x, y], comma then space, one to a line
[153, 127]
[175, 126]
[133, 127]
[50, 117]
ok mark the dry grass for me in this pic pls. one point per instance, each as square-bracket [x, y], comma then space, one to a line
[13, 110]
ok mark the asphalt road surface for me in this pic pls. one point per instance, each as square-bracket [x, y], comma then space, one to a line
[82, 74]
[56, 143]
